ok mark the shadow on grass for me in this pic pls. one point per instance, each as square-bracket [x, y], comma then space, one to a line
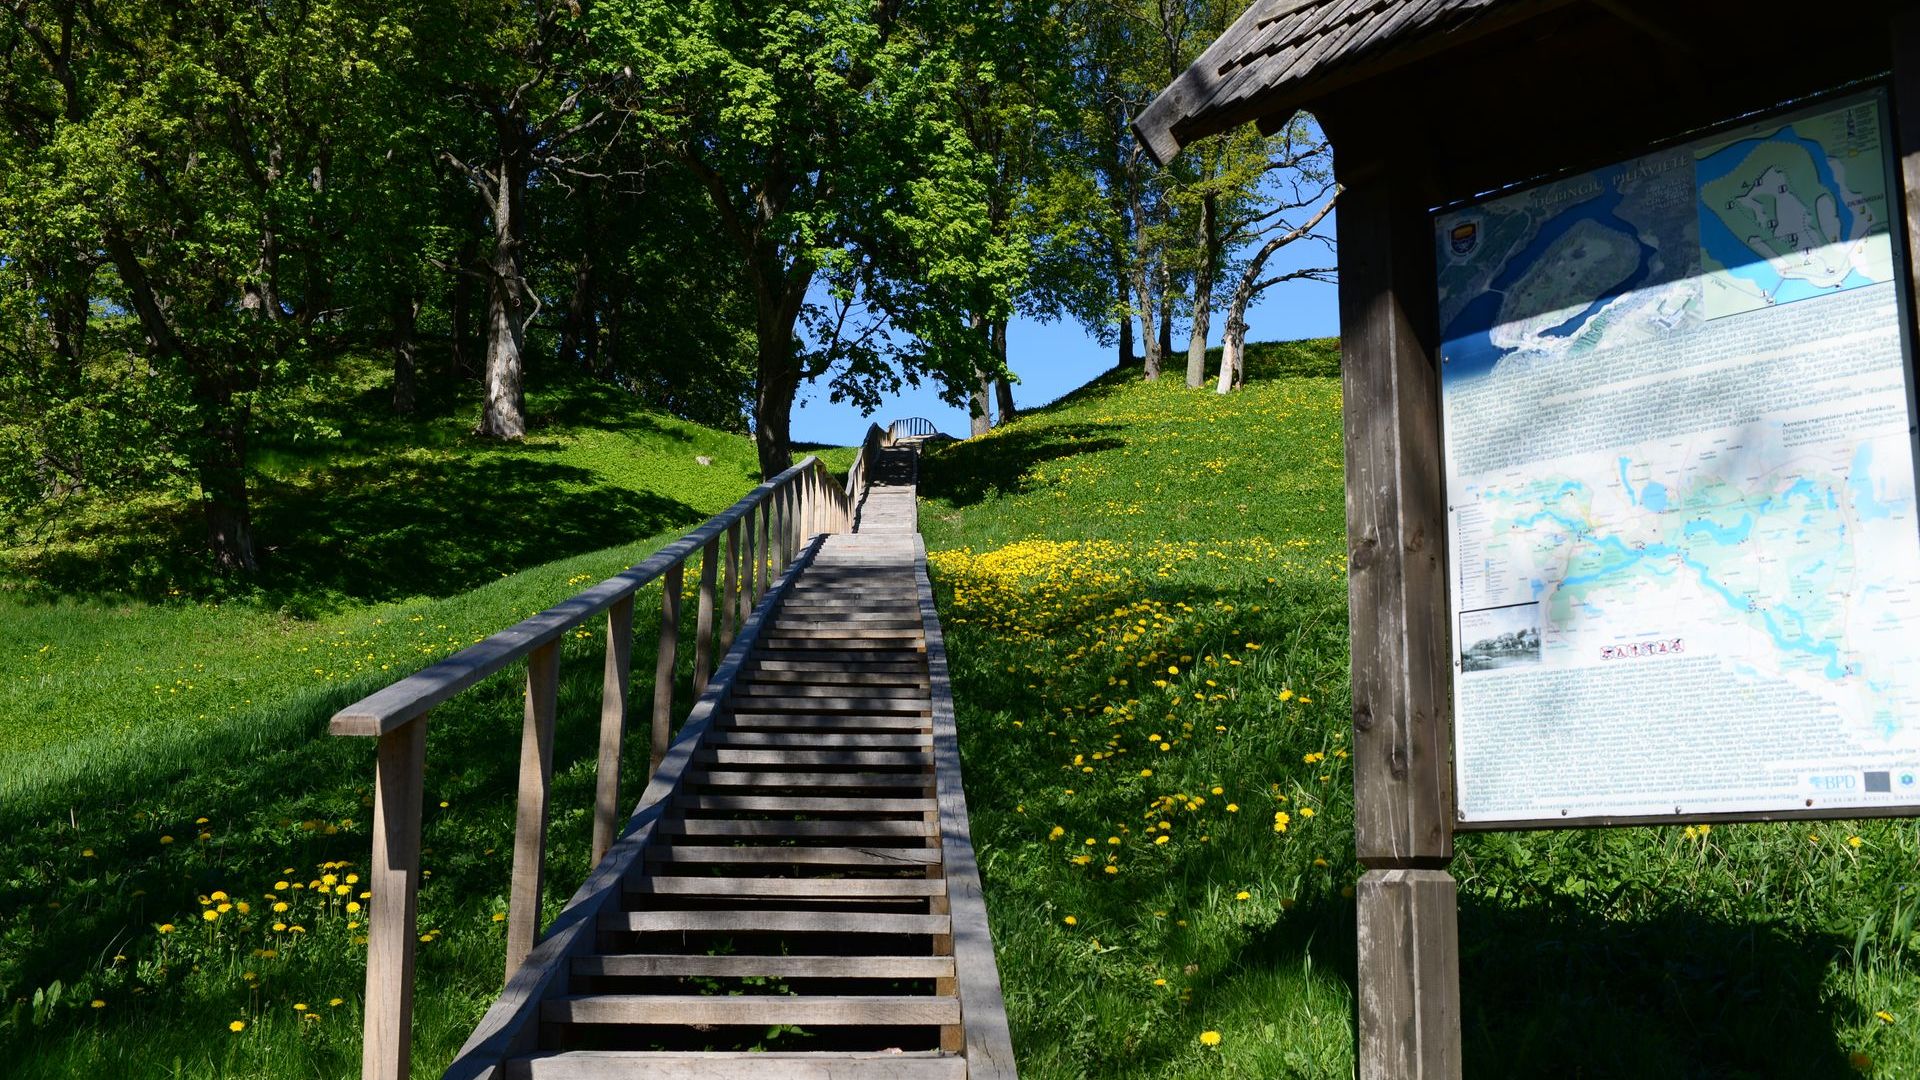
[394, 528]
[276, 803]
[967, 473]
[1560, 994]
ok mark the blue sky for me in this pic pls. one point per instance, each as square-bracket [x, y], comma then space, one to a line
[1051, 359]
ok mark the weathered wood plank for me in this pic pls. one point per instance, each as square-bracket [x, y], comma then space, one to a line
[810, 722]
[1409, 987]
[795, 856]
[815, 757]
[394, 875]
[758, 1010]
[703, 639]
[654, 965]
[788, 888]
[663, 666]
[989, 1042]
[672, 1065]
[802, 804]
[822, 740]
[530, 817]
[772, 922]
[613, 724]
[768, 778]
[879, 705]
[756, 689]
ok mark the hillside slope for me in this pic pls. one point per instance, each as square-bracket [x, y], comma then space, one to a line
[1145, 596]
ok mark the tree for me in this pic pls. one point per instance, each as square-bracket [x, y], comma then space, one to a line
[1299, 176]
[816, 130]
[177, 165]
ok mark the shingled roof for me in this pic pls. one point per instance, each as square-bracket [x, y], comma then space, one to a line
[1275, 57]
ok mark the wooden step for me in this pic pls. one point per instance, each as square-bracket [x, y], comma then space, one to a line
[888, 659]
[753, 692]
[792, 756]
[860, 704]
[818, 740]
[671, 965]
[878, 616]
[796, 856]
[758, 1010]
[862, 667]
[734, 1065]
[795, 829]
[755, 720]
[846, 632]
[789, 888]
[834, 675]
[767, 778]
[804, 804]
[773, 922]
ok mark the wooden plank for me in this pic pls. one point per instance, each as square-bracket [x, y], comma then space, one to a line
[1396, 529]
[857, 704]
[788, 888]
[410, 697]
[749, 566]
[730, 589]
[820, 619]
[655, 965]
[613, 724]
[530, 815]
[764, 721]
[510, 1027]
[1409, 967]
[755, 690]
[841, 643]
[815, 757]
[394, 875]
[989, 1042]
[758, 1010]
[663, 666]
[796, 856]
[833, 675]
[1402, 659]
[690, 1065]
[801, 804]
[768, 778]
[821, 740]
[703, 639]
[847, 659]
[772, 922]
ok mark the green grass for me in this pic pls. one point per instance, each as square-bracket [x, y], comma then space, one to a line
[1082, 551]
[143, 704]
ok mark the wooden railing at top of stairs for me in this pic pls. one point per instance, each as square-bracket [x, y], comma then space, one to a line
[911, 427]
[763, 533]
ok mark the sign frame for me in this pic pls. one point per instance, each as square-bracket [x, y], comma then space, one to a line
[1881, 92]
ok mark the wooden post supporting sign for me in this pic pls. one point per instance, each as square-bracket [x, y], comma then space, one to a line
[1409, 958]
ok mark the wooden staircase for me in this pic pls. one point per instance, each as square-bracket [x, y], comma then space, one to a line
[796, 895]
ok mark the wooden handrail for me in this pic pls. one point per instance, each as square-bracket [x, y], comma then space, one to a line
[911, 427]
[761, 534]
[870, 447]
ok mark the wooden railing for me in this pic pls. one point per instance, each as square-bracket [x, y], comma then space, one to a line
[870, 447]
[911, 427]
[762, 533]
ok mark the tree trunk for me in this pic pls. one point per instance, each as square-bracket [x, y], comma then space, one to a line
[777, 308]
[980, 395]
[406, 344]
[1002, 388]
[1166, 319]
[1126, 340]
[1203, 292]
[503, 410]
[1149, 333]
[578, 328]
[1233, 346]
[222, 472]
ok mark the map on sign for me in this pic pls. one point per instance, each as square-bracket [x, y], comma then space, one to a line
[1680, 468]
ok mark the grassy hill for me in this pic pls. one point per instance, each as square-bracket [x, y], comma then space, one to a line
[162, 747]
[1145, 599]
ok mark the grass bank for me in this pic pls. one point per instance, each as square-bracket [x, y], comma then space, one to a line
[1145, 599]
[180, 894]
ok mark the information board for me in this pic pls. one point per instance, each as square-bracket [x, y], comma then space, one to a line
[1678, 428]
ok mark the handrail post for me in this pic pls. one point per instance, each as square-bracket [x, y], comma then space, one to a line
[613, 724]
[530, 819]
[749, 565]
[386, 1051]
[663, 664]
[703, 650]
[764, 572]
[730, 588]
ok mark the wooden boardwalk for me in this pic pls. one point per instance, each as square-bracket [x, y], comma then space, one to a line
[800, 864]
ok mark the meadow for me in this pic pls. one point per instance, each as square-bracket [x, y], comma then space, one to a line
[180, 892]
[1145, 599]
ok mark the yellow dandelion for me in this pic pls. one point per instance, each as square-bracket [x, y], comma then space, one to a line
[1209, 1038]
[1071, 921]
[237, 1025]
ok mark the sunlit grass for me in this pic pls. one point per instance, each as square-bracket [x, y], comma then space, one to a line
[1084, 550]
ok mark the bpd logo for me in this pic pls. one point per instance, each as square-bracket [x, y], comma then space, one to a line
[1465, 237]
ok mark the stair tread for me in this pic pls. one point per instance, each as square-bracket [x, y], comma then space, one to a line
[756, 1009]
